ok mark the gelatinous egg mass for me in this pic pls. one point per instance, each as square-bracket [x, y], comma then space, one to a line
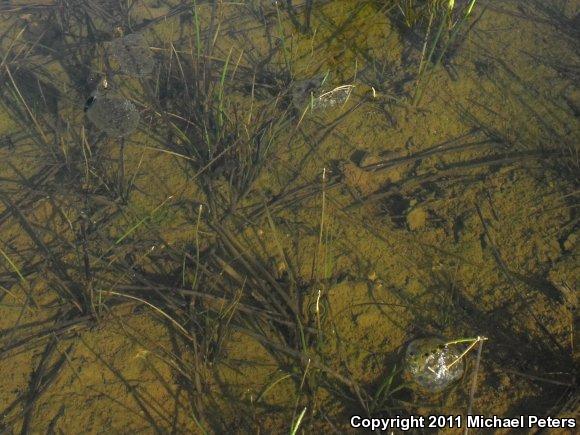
[114, 115]
[432, 365]
[131, 55]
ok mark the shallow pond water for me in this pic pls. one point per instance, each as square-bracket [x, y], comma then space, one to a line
[286, 195]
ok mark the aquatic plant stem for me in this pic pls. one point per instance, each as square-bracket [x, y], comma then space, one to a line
[474, 382]
[272, 385]
[197, 30]
[420, 89]
[466, 351]
[283, 40]
[195, 276]
[36, 124]
[141, 221]
[221, 91]
[13, 265]
[321, 229]
[122, 169]
[157, 309]
[296, 425]
[299, 391]
[422, 61]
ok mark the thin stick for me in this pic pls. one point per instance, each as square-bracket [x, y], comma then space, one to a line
[157, 309]
[195, 277]
[295, 427]
[169, 152]
[12, 45]
[13, 265]
[321, 231]
[474, 382]
[466, 351]
[132, 182]
[122, 169]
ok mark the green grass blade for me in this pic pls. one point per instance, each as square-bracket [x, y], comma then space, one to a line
[141, 222]
[12, 265]
[296, 425]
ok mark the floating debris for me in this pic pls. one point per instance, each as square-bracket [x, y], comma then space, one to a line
[116, 116]
[308, 93]
[131, 55]
[337, 97]
[432, 365]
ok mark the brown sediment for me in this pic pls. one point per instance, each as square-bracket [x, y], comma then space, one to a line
[222, 282]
